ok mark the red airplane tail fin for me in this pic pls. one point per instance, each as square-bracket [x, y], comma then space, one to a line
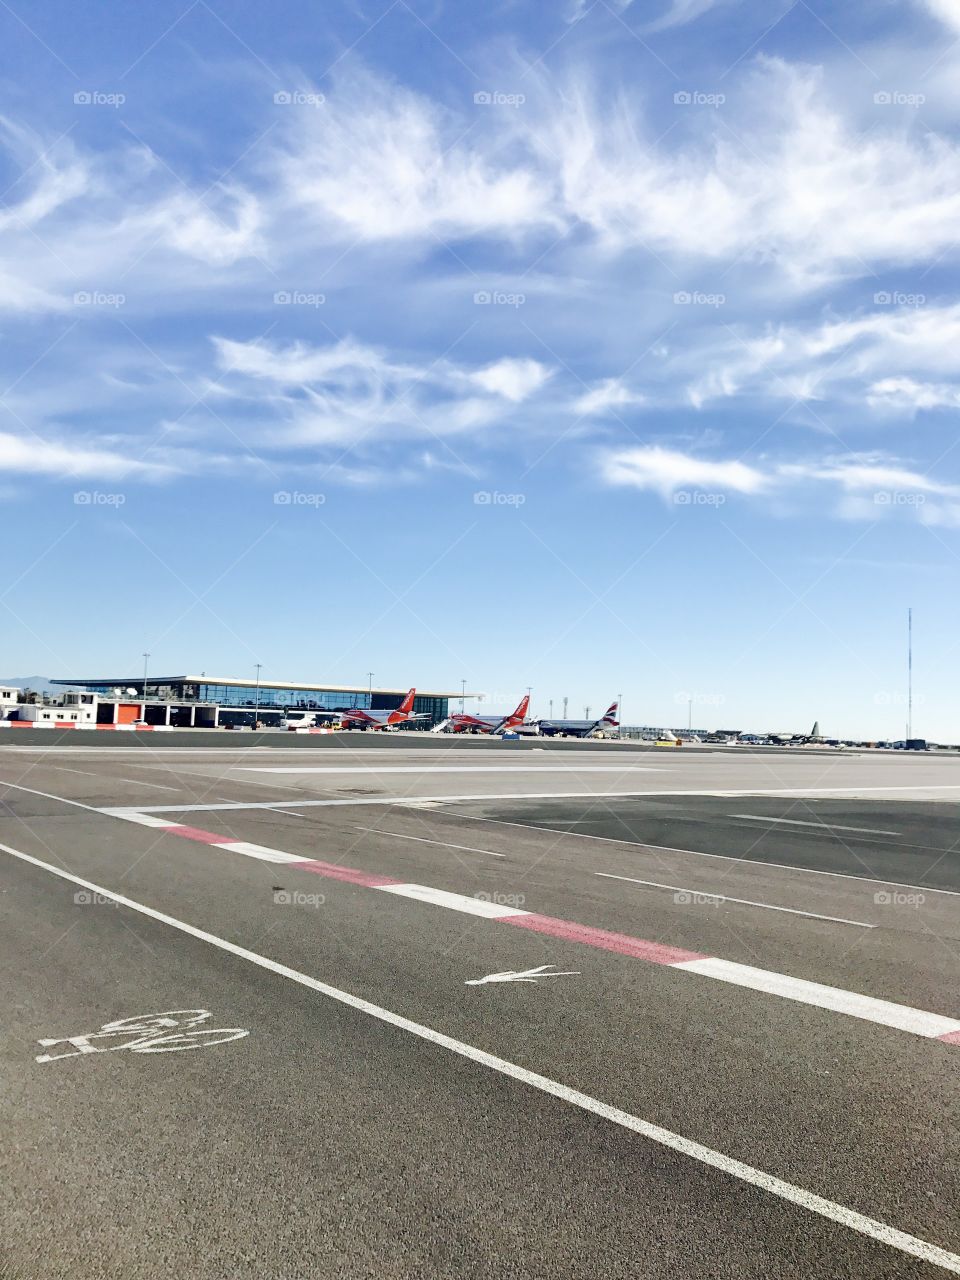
[406, 705]
[610, 717]
[521, 710]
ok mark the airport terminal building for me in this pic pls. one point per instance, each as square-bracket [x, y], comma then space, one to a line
[203, 701]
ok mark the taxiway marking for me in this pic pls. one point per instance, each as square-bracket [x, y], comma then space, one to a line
[872, 1228]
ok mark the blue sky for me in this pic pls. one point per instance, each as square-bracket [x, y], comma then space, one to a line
[594, 347]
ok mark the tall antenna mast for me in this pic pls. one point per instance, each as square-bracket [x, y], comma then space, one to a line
[909, 673]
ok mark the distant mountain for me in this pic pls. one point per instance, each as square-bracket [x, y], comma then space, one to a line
[40, 683]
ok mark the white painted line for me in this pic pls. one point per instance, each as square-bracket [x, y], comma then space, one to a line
[699, 853]
[456, 901]
[517, 795]
[747, 902]
[799, 1196]
[824, 826]
[466, 848]
[900, 1016]
[130, 782]
[452, 768]
[147, 819]
[259, 851]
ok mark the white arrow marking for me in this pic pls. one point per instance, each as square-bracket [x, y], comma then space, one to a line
[522, 975]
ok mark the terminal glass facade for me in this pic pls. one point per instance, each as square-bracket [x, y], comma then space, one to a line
[267, 698]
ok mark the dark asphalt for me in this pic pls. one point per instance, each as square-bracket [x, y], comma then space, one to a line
[326, 1143]
[924, 851]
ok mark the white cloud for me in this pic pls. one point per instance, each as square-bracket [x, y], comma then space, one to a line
[948, 11]
[840, 359]
[785, 178]
[349, 392]
[869, 486]
[67, 460]
[606, 396]
[513, 379]
[666, 470]
[907, 393]
[384, 163]
[680, 12]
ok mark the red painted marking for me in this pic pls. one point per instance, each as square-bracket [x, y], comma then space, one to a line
[351, 874]
[952, 1037]
[655, 952]
[194, 833]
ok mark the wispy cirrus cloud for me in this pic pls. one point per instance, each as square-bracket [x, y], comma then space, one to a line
[868, 486]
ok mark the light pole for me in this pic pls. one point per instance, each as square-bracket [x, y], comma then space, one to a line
[463, 695]
[620, 713]
[146, 659]
[909, 673]
[551, 708]
[689, 715]
[565, 708]
[369, 690]
[256, 705]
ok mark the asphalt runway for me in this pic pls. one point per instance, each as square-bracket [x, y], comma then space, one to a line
[462, 1010]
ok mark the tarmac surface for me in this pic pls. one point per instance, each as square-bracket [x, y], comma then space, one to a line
[442, 1008]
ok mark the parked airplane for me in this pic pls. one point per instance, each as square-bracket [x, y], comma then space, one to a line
[464, 722]
[357, 718]
[579, 728]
